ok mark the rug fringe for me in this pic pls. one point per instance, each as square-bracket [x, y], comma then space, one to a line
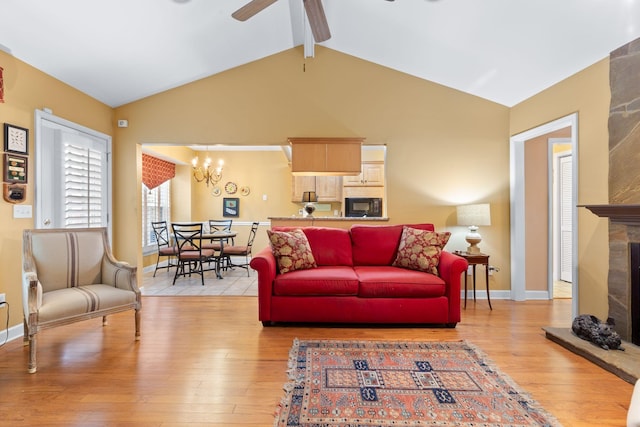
[292, 382]
[526, 397]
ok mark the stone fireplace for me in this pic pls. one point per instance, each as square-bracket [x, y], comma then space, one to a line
[624, 267]
[623, 212]
[623, 209]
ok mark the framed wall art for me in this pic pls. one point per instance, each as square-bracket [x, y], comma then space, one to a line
[231, 207]
[15, 168]
[16, 139]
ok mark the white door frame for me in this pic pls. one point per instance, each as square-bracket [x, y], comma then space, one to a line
[517, 204]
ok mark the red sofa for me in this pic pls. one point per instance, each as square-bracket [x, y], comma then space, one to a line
[355, 281]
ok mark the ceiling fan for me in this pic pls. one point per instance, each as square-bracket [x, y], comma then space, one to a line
[313, 8]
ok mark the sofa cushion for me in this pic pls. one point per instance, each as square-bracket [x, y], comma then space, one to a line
[378, 244]
[330, 246]
[394, 282]
[337, 280]
[291, 249]
[420, 249]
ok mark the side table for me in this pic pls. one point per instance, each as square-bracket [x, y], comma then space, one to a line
[474, 260]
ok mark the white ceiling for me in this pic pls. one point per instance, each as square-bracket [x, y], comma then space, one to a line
[505, 51]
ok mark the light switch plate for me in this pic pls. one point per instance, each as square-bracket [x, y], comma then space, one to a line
[22, 211]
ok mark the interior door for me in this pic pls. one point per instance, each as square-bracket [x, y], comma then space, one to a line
[566, 203]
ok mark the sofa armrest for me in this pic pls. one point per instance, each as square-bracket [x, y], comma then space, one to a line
[450, 269]
[264, 262]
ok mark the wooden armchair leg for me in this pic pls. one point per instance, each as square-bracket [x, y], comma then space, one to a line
[32, 354]
[137, 317]
[25, 337]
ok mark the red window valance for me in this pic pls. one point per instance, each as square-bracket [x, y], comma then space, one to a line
[156, 171]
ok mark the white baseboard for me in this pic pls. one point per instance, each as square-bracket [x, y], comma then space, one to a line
[482, 294]
[16, 331]
[505, 294]
[537, 295]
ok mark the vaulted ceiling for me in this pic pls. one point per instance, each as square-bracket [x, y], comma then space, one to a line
[505, 51]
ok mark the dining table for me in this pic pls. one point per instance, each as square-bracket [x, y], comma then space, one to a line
[221, 236]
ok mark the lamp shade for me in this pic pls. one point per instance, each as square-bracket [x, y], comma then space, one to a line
[309, 197]
[479, 214]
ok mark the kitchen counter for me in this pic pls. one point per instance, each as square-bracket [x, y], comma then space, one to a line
[324, 221]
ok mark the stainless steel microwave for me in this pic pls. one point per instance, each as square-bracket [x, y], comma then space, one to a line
[363, 206]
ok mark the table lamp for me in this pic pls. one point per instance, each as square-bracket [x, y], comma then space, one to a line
[473, 216]
[309, 197]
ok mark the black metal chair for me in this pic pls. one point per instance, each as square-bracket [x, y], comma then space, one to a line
[165, 248]
[191, 255]
[220, 225]
[245, 250]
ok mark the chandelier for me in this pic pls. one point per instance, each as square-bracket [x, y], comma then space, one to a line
[205, 172]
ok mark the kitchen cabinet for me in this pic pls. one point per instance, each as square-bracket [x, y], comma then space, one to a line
[372, 175]
[327, 188]
[326, 156]
[362, 191]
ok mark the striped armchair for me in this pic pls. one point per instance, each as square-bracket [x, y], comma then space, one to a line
[70, 275]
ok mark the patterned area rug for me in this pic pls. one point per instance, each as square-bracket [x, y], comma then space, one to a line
[385, 383]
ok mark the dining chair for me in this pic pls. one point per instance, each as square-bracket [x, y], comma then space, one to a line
[191, 255]
[244, 250]
[220, 225]
[165, 248]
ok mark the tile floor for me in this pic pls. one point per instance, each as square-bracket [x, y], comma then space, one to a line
[561, 289]
[234, 283]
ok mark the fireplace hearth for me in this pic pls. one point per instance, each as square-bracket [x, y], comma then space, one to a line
[621, 363]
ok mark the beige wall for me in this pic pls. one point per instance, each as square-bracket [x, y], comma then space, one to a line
[444, 147]
[537, 198]
[25, 90]
[586, 93]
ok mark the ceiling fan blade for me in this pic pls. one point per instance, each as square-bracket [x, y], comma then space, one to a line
[317, 20]
[251, 8]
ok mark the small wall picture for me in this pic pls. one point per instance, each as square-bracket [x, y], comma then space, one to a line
[16, 139]
[15, 168]
[231, 207]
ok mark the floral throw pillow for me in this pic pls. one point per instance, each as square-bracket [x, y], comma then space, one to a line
[420, 249]
[292, 250]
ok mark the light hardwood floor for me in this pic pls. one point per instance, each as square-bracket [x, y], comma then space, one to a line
[207, 361]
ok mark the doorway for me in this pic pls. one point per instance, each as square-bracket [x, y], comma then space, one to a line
[561, 179]
[521, 260]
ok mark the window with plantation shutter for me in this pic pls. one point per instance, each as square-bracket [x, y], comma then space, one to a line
[156, 206]
[83, 186]
[73, 175]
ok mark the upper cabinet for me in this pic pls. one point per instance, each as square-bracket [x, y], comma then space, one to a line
[327, 188]
[372, 175]
[326, 156]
